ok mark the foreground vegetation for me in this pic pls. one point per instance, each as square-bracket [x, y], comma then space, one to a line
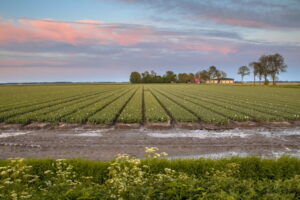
[111, 103]
[127, 177]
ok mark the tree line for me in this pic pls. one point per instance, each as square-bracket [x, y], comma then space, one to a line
[266, 66]
[171, 77]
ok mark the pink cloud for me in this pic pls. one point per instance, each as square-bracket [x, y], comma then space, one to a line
[90, 32]
[203, 47]
[243, 23]
[8, 63]
[237, 22]
[82, 32]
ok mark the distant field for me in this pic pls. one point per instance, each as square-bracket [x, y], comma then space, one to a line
[124, 103]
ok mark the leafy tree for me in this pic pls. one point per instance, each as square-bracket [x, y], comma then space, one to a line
[204, 75]
[170, 77]
[243, 71]
[212, 72]
[220, 75]
[191, 78]
[276, 65]
[146, 77]
[135, 77]
[265, 62]
[257, 70]
[183, 78]
[186, 78]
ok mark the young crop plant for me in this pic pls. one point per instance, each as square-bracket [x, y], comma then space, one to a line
[15, 112]
[65, 111]
[228, 109]
[41, 97]
[132, 113]
[153, 111]
[82, 115]
[58, 110]
[177, 112]
[205, 113]
[110, 113]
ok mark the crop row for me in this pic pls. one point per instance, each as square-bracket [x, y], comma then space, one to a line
[107, 104]
[154, 112]
[11, 113]
[258, 112]
[109, 114]
[22, 98]
[177, 112]
[132, 113]
[56, 112]
[229, 109]
[205, 114]
[82, 115]
[260, 96]
[45, 96]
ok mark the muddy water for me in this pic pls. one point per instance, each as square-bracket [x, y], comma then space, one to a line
[104, 144]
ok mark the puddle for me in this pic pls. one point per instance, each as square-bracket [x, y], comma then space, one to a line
[272, 154]
[212, 155]
[94, 133]
[202, 134]
[278, 154]
[84, 133]
[12, 134]
[241, 133]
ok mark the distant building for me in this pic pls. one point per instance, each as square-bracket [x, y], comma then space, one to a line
[221, 81]
[199, 80]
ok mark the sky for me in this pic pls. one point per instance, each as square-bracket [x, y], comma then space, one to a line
[105, 40]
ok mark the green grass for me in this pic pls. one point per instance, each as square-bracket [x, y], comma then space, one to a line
[130, 179]
[250, 167]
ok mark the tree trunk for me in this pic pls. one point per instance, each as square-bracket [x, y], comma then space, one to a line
[266, 76]
[274, 79]
[259, 80]
[254, 79]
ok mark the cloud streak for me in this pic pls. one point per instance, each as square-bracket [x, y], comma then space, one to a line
[76, 33]
[260, 14]
[91, 36]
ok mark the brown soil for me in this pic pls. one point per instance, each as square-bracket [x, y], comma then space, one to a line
[162, 126]
[104, 144]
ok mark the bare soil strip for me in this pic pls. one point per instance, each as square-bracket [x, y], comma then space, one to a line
[151, 125]
[103, 143]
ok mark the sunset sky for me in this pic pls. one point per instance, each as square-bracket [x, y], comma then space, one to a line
[105, 40]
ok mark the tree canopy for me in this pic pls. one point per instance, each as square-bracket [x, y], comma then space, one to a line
[244, 71]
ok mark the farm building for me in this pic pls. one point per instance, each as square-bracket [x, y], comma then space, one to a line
[199, 80]
[221, 81]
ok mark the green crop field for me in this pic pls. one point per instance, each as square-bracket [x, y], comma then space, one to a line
[142, 103]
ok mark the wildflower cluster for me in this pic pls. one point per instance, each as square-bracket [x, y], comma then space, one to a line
[151, 152]
[17, 182]
[15, 176]
[129, 178]
[125, 173]
[63, 174]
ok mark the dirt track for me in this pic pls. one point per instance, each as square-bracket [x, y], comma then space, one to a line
[104, 144]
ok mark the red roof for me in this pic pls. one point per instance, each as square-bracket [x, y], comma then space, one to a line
[198, 80]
